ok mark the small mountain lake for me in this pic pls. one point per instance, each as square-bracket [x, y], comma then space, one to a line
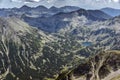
[86, 43]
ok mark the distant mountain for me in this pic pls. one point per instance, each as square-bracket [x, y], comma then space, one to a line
[40, 8]
[39, 11]
[63, 9]
[89, 14]
[6, 12]
[99, 14]
[69, 8]
[56, 22]
[24, 8]
[53, 8]
[111, 11]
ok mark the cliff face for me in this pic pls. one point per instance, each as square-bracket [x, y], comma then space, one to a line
[104, 66]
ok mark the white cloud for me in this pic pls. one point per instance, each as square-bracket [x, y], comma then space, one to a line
[34, 0]
[49, 1]
[116, 1]
[16, 0]
[37, 0]
[26, 1]
[88, 4]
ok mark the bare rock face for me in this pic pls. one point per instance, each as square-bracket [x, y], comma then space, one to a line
[104, 66]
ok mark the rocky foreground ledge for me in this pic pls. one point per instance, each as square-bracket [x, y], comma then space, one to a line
[103, 66]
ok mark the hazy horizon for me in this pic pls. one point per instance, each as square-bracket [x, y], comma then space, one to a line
[86, 4]
[57, 7]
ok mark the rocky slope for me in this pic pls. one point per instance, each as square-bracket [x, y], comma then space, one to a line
[103, 66]
[20, 48]
[98, 33]
[18, 44]
[92, 38]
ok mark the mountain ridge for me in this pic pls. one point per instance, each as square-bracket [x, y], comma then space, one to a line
[53, 22]
[111, 11]
[100, 63]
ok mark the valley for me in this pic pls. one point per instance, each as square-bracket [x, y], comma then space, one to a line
[66, 43]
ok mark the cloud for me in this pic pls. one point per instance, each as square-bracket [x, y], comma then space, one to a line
[88, 4]
[25, 1]
[62, 2]
[16, 0]
[117, 1]
[33, 0]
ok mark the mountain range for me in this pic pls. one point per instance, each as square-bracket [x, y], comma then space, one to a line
[39, 11]
[60, 20]
[111, 11]
[67, 43]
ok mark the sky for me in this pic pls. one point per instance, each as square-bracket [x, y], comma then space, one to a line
[87, 4]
